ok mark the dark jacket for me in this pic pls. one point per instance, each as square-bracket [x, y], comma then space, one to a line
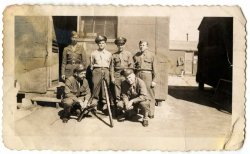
[75, 89]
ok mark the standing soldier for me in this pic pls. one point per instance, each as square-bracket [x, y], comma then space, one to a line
[100, 62]
[121, 60]
[72, 55]
[133, 94]
[144, 62]
[77, 93]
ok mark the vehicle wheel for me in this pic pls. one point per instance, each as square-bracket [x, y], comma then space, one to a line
[201, 86]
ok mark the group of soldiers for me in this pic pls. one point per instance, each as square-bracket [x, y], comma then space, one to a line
[132, 78]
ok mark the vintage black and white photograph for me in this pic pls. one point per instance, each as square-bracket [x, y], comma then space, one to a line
[124, 78]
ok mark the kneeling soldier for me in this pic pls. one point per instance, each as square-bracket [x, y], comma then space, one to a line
[134, 93]
[77, 93]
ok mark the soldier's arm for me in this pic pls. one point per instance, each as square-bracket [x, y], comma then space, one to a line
[68, 93]
[112, 70]
[87, 93]
[91, 61]
[124, 95]
[130, 61]
[64, 61]
[143, 95]
[154, 67]
[134, 62]
[84, 55]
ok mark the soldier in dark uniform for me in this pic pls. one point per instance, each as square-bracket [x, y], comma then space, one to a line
[72, 55]
[121, 60]
[77, 93]
[145, 65]
[100, 62]
[133, 94]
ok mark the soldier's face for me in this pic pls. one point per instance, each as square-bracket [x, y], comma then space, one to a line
[73, 40]
[143, 46]
[102, 45]
[120, 47]
[82, 75]
[131, 79]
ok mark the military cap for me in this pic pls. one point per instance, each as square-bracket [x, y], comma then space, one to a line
[74, 34]
[142, 41]
[127, 72]
[120, 40]
[79, 68]
[100, 38]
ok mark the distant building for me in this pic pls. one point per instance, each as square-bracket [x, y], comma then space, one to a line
[182, 57]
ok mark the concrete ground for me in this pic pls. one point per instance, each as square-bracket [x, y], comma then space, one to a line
[187, 120]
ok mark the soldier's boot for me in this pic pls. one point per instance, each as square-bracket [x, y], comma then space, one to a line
[66, 114]
[121, 117]
[151, 116]
[66, 118]
[130, 114]
[145, 123]
[76, 109]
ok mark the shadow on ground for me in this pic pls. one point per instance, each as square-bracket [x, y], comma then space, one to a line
[193, 95]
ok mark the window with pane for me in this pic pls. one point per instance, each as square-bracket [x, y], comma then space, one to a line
[91, 26]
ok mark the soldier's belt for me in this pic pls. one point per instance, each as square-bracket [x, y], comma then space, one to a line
[73, 62]
[144, 70]
[121, 68]
[100, 67]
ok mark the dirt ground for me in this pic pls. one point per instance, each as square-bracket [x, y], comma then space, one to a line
[186, 120]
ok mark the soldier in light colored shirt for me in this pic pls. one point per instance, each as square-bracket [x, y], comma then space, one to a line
[100, 62]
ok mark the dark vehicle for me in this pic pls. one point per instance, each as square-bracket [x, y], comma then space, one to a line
[215, 51]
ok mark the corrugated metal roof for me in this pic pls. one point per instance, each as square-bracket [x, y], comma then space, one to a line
[183, 45]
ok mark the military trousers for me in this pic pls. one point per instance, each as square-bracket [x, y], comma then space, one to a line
[147, 77]
[117, 85]
[69, 104]
[98, 74]
[143, 105]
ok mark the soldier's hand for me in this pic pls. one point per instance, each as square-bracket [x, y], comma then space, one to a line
[63, 77]
[113, 80]
[153, 84]
[80, 101]
[129, 105]
[84, 104]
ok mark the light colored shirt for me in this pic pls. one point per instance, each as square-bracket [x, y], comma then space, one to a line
[100, 59]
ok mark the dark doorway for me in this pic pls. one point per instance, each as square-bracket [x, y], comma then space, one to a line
[64, 25]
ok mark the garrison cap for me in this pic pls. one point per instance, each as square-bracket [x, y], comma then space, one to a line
[120, 40]
[143, 41]
[74, 34]
[100, 38]
[127, 72]
[79, 68]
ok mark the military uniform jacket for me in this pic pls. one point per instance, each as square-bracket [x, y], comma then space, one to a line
[145, 61]
[120, 61]
[138, 91]
[72, 56]
[75, 89]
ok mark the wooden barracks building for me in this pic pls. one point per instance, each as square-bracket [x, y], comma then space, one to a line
[40, 40]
